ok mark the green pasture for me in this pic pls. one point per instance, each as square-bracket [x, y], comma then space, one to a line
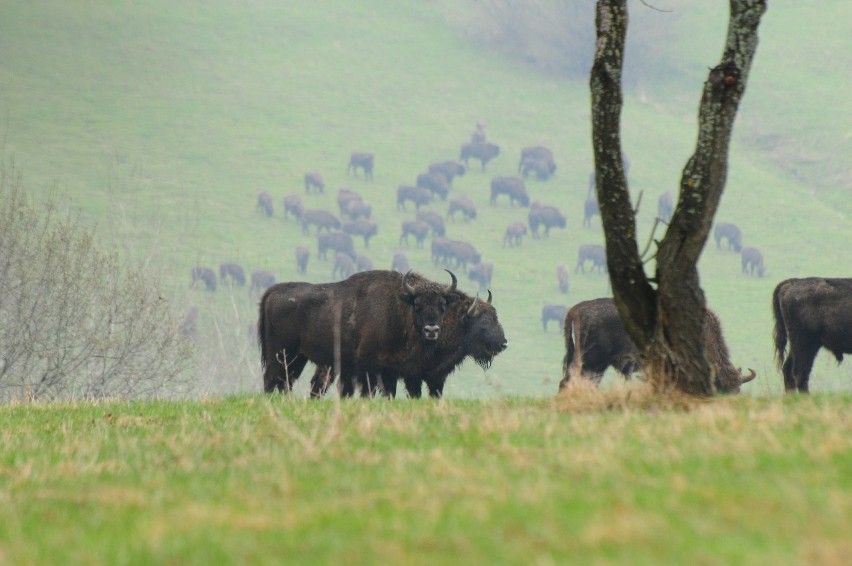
[162, 121]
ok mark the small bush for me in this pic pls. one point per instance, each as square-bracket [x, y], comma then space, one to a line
[74, 321]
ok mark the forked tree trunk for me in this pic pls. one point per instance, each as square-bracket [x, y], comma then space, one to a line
[664, 315]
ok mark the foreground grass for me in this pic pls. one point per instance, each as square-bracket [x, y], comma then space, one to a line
[274, 480]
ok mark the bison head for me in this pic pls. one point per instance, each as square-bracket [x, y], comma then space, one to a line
[430, 304]
[483, 334]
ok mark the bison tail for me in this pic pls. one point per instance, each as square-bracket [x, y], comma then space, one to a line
[261, 330]
[780, 331]
[570, 348]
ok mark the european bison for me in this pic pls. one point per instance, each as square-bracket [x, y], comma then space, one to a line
[293, 206]
[416, 228]
[364, 228]
[322, 219]
[514, 234]
[302, 256]
[463, 205]
[363, 263]
[595, 253]
[435, 182]
[547, 216]
[434, 220]
[752, 261]
[482, 274]
[418, 195]
[205, 275]
[233, 272]
[344, 197]
[356, 209]
[337, 241]
[262, 280]
[449, 169]
[189, 326]
[590, 209]
[538, 160]
[454, 251]
[343, 265]
[595, 339]
[562, 277]
[513, 187]
[484, 152]
[665, 207]
[264, 203]
[730, 232]
[363, 161]
[314, 181]
[552, 312]
[810, 313]
[400, 263]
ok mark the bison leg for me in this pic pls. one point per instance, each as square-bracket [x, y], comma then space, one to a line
[803, 361]
[321, 381]
[283, 372]
[414, 386]
[388, 384]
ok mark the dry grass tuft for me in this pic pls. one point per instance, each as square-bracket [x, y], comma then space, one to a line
[583, 396]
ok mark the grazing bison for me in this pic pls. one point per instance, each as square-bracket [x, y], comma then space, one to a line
[595, 253]
[293, 205]
[302, 256]
[262, 280]
[810, 313]
[514, 187]
[665, 207]
[344, 197]
[752, 261]
[343, 265]
[484, 152]
[363, 161]
[363, 263]
[356, 209]
[322, 219]
[482, 274]
[337, 241]
[538, 160]
[314, 181]
[595, 339]
[233, 272]
[205, 275]
[418, 195]
[400, 263]
[457, 252]
[590, 209]
[264, 203]
[514, 234]
[416, 228]
[449, 169]
[463, 205]
[552, 312]
[434, 220]
[547, 216]
[730, 232]
[562, 277]
[364, 228]
[435, 182]
[372, 322]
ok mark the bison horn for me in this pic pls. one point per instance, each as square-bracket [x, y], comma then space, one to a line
[489, 296]
[747, 378]
[472, 309]
[406, 285]
[455, 281]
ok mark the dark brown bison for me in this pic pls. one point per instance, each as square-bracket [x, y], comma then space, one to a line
[399, 262]
[595, 253]
[513, 187]
[232, 272]
[590, 209]
[337, 241]
[562, 277]
[363, 263]
[264, 203]
[204, 275]
[358, 209]
[435, 182]
[752, 261]
[314, 181]
[595, 339]
[547, 216]
[364, 228]
[514, 234]
[455, 252]
[362, 161]
[665, 207]
[730, 232]
[482, 274]
[370, 323]
[463, 205]
[434, 220]
[293, 206]
[810, 313]
[553, 312]
[302, 256]
[538, 160]
[418, 195]
[416, 228]
[449, 169]
[262, 280]
[343, 265]
[344, 197]
[484, 152]
[322, 219]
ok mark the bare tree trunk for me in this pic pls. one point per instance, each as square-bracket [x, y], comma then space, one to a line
[666, 322]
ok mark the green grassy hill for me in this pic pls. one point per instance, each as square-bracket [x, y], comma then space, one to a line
[163, 121]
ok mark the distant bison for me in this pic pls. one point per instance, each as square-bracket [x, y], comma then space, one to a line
[264, 203]
[463, 205]
[752, 261]
[562, 277]
[590, 209]
[730, 232]
[513, 187]
[322, 219]
[400, 263]
[454, 252]
[482, 274]
[434, 220]
[416, 228]
[293, 206]
[553, 312]
[262, 280]
[344, 197]
[205, 275]
[435, 182]
[356, 209]
[343, 265]
[337, 241]
[302, 256]
[538, 160]
[547, 216]
[484, 152]
[665, 207]
[363, 263]
[189, 326]
[314, 181]
[418, 195]
[232, 272]
[363, 161]
[449, 169]
[364, 228]
[595, 253]
[514, 234]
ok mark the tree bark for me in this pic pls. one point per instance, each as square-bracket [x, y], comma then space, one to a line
[664, 315]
